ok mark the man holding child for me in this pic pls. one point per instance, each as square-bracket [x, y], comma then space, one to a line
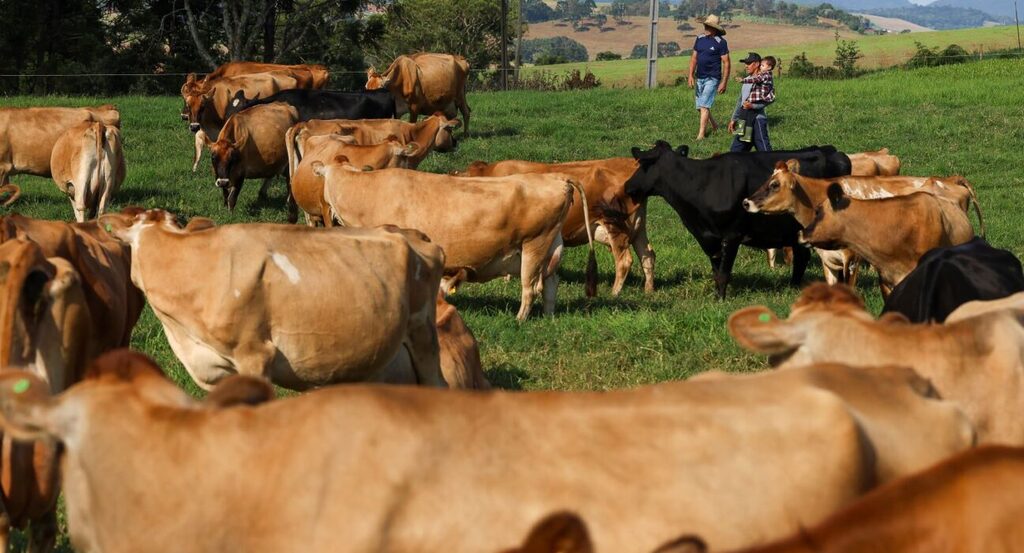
[749, 121]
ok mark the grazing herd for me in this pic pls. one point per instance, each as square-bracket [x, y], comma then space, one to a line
[898, 433]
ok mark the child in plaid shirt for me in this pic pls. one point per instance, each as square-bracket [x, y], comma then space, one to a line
[762, 93]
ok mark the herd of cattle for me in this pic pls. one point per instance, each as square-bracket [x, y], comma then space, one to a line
[897, 433]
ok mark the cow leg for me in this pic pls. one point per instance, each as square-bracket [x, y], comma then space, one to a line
[550, 283]
[465, 111]
[852, 269]
[535, 256]
[200, 139]
[424, 351]
[643, 248]
[619, 242]
[5, 529]
[43, 533]
[729, 251]
[293, 208]
[772, 254]
[266, 187]
[231, 196]
[801, 256]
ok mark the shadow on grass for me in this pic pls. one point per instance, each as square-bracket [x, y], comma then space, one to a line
[503, 131]
[507, 377]
[146, 196]
[510, 307]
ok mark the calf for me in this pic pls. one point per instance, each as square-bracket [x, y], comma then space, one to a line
[874, 164]
[361, 468]
[707, 195]
[44, 320]
[87, 164]
[891, 233]
[425, 83]
[488, 227]
[460, 354]
[279, 314]
[947, 277]
[975, 363]
[970, 503]
[251, 145]
[27, 135]
[618, 220]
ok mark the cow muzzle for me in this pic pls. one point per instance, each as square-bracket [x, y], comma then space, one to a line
[194, 127]
[222, 183]
[750, 206]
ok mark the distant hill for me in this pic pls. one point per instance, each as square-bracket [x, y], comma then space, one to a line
[1003, 8]
[860, 5]
[941, 17]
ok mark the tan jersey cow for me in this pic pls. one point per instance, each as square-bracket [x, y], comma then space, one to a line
[376, 468]
[308, 76]
[45, 323]
[460, 354]
[252, 145]
[103, 264]
[433, 133]
[970, 503]
[875, 164]
[27, 135]
[488, 227]
[975, 363]
[891, 233]
[1014, 302]
[87, 164]
[207, 107]
[425, 83]
[302, 307]
[618, 220]
[308, 188]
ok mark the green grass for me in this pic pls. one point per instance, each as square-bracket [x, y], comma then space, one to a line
[955, 119]
[878, 50]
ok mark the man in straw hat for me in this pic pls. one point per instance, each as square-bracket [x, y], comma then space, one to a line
[709, 70]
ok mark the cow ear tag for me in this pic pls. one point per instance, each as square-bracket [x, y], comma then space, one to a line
[20, 386]
[764, 318]
[109, 228]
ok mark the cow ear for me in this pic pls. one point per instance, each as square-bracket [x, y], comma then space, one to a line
[190, 79]
[115, 223]
[239, 390]
[793, 165]
[26, 408]
[391, 138]
[410, 149]
[199, 223]
[563, 532]
[685, 544]
[781, 166]
[836, 197]
[453, 124]
[758, 329]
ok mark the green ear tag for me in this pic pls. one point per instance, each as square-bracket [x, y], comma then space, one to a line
[20, 386]
[764, 318]
[109, 228]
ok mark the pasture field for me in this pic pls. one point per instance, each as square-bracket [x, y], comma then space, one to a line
[955, 119]
[879, 51]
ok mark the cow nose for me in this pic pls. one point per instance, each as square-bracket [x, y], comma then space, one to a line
[222, 183]
[746, 205]
[194, 127]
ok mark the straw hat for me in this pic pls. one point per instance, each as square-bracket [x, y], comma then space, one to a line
[712, 21]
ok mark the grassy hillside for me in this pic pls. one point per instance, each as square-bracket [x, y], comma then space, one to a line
[940, 121]
[878, 50]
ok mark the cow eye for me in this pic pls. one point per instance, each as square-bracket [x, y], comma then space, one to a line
[774, 186]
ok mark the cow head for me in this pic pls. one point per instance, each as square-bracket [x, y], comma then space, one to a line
[374, 80]
[127, 225]
[827, 229]
[228, 170]
[760, 330]
[444, 139]
[648, 178]
[780, 193]
[196, 103]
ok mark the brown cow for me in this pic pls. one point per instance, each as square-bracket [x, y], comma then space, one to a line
[252, 145]
[891, 233]
[434, 132]
[970, 503]
[279, 312]
[207, 108]
[44, 321]
[618, 220]
[88, 165]
[460, 354]
[425, 83]
[308, 188]
[308, 76]
[975, 363]
[1014, 302]
[103, 265]
[488, 226]
[27, 135]
[376, 468]
[874, 164]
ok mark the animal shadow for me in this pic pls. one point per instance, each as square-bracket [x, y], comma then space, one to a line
[506, 377]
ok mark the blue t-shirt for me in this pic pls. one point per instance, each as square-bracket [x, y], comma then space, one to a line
[709, 51]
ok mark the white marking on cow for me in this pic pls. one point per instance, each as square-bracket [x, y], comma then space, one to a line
[285, 264]
[238, 294]
[776, 172]
[879, 193]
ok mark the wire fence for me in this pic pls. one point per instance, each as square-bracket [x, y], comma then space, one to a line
[550, 77]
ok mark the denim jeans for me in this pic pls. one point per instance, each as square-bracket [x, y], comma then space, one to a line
[761, 141]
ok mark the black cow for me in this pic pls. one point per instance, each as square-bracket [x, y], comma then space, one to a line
[325, 104]
[707, 195]
[946, 278]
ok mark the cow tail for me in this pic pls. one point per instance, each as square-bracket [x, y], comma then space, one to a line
[13, 190]
[591, 274]
[289, 145]
[974, 199]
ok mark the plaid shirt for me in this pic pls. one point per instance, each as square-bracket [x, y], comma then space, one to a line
[763, 89]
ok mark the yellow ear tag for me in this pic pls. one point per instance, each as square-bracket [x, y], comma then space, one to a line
[453, 290]
[764, 318]
[20, 386]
